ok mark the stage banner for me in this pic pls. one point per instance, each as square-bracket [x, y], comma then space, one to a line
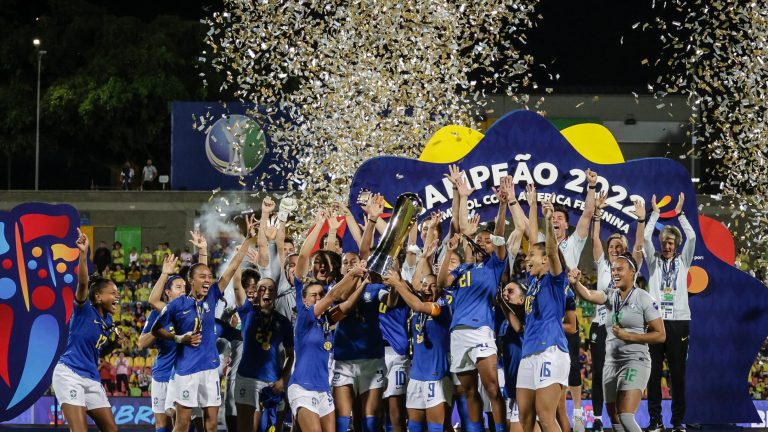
[218, 145]
[729, 307]
[38, 279]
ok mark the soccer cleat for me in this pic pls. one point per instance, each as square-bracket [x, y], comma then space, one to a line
[655, 427]
[597, 425]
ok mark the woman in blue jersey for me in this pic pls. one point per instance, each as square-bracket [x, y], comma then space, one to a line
[616, 245]
[473, 343]
[76, 376]
[196, 378]
[393, 322]
[264, 331]
[510, 340]
[545, 365]
[430, 388]
[167, 288]
[309, 390]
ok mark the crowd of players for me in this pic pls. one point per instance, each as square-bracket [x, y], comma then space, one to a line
[456, 324]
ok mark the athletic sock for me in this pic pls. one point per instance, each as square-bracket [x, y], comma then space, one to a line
[617, 427]
[371, 424]
[162, 429]
[434, 427]
[342, 423]
[388, 423]
[500, 428]
[461, 407]
[629, 422]
[414, 426]
[577, 412]
[475, 427]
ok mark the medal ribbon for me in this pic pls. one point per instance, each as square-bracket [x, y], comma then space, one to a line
[618, 305]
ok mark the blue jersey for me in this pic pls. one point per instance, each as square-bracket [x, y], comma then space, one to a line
[393, 324]
[570, 299]
[162, 371]
[511, 345]
[262, 336]
[312, 343]
[88, 333]
[431, 339]
[188, 315]
[474, 289]
[544, 310]
[358, 336]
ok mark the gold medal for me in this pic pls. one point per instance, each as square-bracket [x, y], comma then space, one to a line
[327, 345]
[419, 338]
[265, 346]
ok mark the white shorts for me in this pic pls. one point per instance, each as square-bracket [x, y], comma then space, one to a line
[73, 389]
[320, 403]
[484, 392]
[159, 393]
[247, 391]
[513, 412]
[397, 372]
[362, 375]
[199, 389]
[543, 369]
[426, 394]
[468, 345]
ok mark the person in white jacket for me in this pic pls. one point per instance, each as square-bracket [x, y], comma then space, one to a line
[668, 285]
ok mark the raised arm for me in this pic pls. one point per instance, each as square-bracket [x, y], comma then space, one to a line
[156, 295]
[352, 226]
[582, 227]
[240, 296]
[81, 294]
[424, 266]
[267, 207]
[280, 243]
[393, 280]
[518, 215]
[464, 192]
[333, 230]
[597, 243]
[454, 175]
[201, 244]
[533, 213]
[689, 243]
[637, 248]
[444, 277]
[234, 264]
[592, 296]
[513, 247]
[374, 209]
[302, 261]
[555, 266]
[648, 250]
[503, 194]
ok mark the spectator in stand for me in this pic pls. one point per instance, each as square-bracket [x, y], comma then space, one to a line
[118, 276]
[122, 373]
[102, 258]
[133, 257]
[145, 259]
[158, 256]
[105, 373]
[134, 275]
[148, 176]
[118, 254]
[126, 175]
[143, 383]
[133, 385]
[142, 293]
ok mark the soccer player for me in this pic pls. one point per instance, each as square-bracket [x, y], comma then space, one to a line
[627, 362]
[545, 365]
[616, 245]
[167, 289]
[668, 285]
[430, 388]
[196, 377]
[76, 376]
[264, 331]
[393, 322]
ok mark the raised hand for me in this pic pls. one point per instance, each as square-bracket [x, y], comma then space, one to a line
[600, 200]
[654, 204]
[464, 189]
[321, 216]
[169, 264]
[507, 187]
[82, 241]
[250, 226]
[530, 193]
[333, 224]
[639, 210]
[472, 225]
[573, 276]
[501, 194]
[430, 249]
[453, 242]
[454, 174]
[270, 232]
[375, 206]
[548, 208]
[680, 201]
[591, 177]
[391, 277]
[267, 205]
[253, 256]
[198, 240]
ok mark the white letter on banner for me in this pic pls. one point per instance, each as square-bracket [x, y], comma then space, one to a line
[433, 196]
[448, 187]
[522, 173]
[538, 172]
[498, 171]
[479, 174]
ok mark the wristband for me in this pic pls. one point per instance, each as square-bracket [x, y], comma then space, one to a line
[178, 338]
[371, 220]
[641, 221]
[592, 186]
[513, 202]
